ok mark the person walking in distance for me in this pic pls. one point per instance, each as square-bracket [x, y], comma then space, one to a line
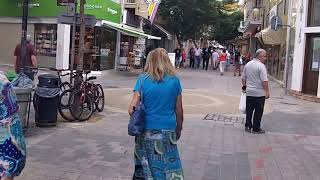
[177, 51]
[215, 58]
[255, 84]
[31, 60]
[223, 59]
[228, 60]
[205, 57]
[236, 62]
[191, 56]
[184, 57]
[197, 54]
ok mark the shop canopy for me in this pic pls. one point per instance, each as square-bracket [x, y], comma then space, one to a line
[128, 30]
[271, 37]
[170, 36]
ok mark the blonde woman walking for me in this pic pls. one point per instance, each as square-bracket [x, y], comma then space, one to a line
[156, 151]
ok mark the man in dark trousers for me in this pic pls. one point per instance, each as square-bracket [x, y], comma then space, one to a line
[205, 57]
[191, 56]
[236, 63]
[255, 84]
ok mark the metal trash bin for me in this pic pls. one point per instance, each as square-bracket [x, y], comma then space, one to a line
[24, 100]
[45, 101]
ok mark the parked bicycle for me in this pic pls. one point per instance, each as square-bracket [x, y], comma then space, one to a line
[83, 99]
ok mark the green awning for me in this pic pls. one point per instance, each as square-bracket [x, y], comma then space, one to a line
[128, 30]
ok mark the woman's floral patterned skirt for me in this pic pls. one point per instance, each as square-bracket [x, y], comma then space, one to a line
[12, 147]
[157, 156]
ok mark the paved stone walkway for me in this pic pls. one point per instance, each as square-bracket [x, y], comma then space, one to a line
[211, 149]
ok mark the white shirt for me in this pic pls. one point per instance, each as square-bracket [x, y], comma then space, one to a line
[228, 55]
[255, 73]
[197, 52]
[215, 56]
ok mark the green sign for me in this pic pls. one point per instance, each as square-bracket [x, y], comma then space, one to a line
[102, 9]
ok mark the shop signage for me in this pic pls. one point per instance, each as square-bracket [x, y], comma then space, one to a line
[89, 20]
[64, 2]
[275, 23]
[109, 10]
[153, 6]
[112, 11]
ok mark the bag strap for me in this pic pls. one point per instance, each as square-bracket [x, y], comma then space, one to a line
[141, 91]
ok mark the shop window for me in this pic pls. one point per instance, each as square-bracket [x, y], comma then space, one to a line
[105, 45]
[314, 54]
[46, 39]
[314, 13]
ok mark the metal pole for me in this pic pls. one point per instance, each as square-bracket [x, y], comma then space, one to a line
[286, 74]
[74, 27]
[82, 32]
[24, 31]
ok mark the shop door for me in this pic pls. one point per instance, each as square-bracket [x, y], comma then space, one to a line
[312, 65]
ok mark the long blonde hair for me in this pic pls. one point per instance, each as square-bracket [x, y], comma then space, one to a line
[158, 64]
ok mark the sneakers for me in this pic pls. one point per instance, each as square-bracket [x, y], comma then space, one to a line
[247, 129]
[260, 131]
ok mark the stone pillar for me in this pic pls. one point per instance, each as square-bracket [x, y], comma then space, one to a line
[300, 45]
[63, 46]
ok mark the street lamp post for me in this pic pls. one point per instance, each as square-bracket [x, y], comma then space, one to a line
[24, 31]
[82, 33]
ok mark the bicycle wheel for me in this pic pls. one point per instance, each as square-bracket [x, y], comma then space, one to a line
[63, 106]
[100, 98]
[81, 106]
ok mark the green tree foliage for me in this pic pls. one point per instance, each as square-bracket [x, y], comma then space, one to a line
[200, 18]
[226, 27]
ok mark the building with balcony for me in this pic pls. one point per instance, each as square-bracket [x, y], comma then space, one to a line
[136, 13]
[294, 49]
[251, 25]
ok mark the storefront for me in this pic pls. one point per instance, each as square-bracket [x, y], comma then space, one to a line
[306, 62]
[132, 45]
[275, 44]
[53, 41]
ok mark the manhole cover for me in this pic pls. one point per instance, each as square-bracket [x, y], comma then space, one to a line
[224, 118]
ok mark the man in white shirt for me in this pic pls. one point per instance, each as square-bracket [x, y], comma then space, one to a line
[255, 84]
[197, 55]
[215, 59]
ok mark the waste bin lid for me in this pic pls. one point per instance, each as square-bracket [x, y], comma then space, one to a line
[48, 80]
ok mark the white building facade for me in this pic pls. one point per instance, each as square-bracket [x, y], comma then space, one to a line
[306, 59]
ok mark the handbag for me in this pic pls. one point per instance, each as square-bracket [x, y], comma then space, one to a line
[137, 119]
